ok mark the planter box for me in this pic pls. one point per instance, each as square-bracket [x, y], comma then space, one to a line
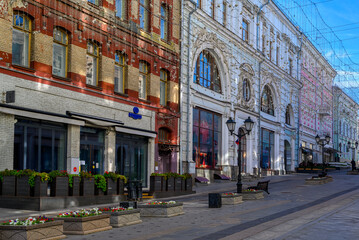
[178, 184]
[157, 184]
[120, 187]
[125, 218]
[231, 199]
[188, 184]
[252, 195]
[111, 187]
[170, 184]
[75, 189]
[49, 230]
[168, 210]
[8, 186]
[318, 181]
[23, 188]
[87, 187]
[59, 187]
[86, 225]
[40, 188]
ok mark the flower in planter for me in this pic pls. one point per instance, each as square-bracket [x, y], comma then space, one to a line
[86, 175]
[250, 190]
[80, 213]
[161, 203]
[7, 172]
[159, 175]
[57, 173]
[229, 194]
[27, 222]
[114, 176]
[115, 209]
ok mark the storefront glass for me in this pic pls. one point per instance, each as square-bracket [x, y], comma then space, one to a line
[267, 151]
[92, 150]
[39, 145]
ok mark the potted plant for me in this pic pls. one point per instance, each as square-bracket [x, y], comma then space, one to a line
[23, 188]
[161, 209]
[122, 216]
[59, 183]
[158, 182]
[74, 184]
[178, 182]
[8, 182]
[84, 221]
[32, 228]
[111, 182]
[38, 183]
[87, 184]
[230, 198]
[187, 182]
[100, 184]
[121, 181]
[170, 186]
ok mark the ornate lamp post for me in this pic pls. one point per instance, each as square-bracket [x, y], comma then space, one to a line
[248, 125]
[322, 142]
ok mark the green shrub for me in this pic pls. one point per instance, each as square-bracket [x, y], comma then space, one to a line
[85, 175]
[100, 182]
[71, 179]
[57, 173]
[112, 175]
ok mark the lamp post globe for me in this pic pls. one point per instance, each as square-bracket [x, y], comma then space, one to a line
[327, 138]
[231, 125]
[317, 139]
[248, 124]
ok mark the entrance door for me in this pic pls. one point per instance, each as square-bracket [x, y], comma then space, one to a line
[287, 156]
[92, 150]
[131, 157]
[165, 161]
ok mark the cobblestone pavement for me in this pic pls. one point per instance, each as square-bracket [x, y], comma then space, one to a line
[293, 210]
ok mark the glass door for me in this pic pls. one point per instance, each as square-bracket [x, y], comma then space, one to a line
[92, 150]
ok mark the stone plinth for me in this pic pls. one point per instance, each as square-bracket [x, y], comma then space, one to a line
[125, 218]
[166, 210]
[252, 195]
[50, 230]
[86, 225]
[231, 199]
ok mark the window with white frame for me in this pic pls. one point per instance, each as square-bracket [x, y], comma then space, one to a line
[120, 72]
[145, 12]
[92, 63]
[144, 74]
[21, 39]
[59, 56]
[121, 9]
[164, 22]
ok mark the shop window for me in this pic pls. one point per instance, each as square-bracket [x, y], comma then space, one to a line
[59, 56]
[21, 39]
[267, 105]
[121, 9]
[246, 90]
[267, 148]
[39, 145]
[245, 29]
[92, 66]
[206, 72]
[163, 87]
[120, 72]
[144, 75]
[207, 136]
[164, 22]
[145, 13]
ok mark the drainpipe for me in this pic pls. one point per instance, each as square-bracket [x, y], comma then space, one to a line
[259, 88]
[188, 86]
[299, 97]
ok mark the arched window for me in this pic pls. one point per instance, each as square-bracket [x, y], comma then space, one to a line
[164, 22]
[164, 135]
[121, 9]
[246, 90]
[287, 115]
[206, 72]
[59, 56]
[163, 87]
[21, 40]
[92, 67]
[267, 101]
[145, 12]
[144, 75]
[120, 72]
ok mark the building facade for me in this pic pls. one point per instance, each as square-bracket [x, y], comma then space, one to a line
[345, 126]
[239, 60]
[316, 115]
[90, 85]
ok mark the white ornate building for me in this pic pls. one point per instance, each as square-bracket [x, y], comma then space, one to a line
[239, 60]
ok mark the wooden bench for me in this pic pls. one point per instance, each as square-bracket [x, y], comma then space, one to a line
[261, 186]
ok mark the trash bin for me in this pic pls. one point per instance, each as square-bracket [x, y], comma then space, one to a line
[134, 188]
[214, 200]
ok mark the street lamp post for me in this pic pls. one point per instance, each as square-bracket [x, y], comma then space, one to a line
[322, 142]
[353, 147]
[248, 125]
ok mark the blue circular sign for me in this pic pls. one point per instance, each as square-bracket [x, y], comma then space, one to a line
[136, 110]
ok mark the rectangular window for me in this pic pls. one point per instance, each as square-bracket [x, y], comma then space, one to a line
[245, 31]
[21, 40]
[163, 87]
[290, 63]
[59, 61]
[267, 148]
[277, 56]
[199, 3]
[120, 73]
[211, 8]
[164, 22]
[121, 9]
[263, 44]
[270, 50]
[207, 136]
[96, 2]
[39, 145]
[145, 15]
[92, 64]
[142, 93]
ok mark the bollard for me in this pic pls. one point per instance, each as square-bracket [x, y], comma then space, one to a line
[214, 200]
